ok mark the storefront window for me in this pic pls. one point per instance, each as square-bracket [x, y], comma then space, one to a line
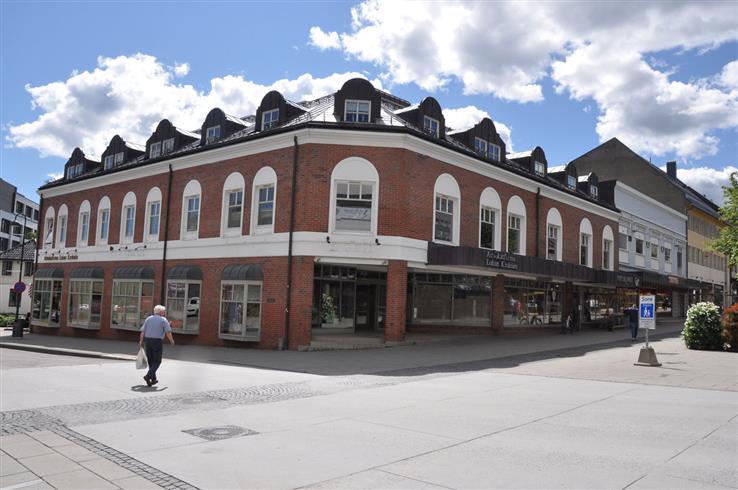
[85, 303]
[183, 305]
[47, 301]
[133, 302]
[240, 310]
[530, 303]
[600, 305]
[450, 299]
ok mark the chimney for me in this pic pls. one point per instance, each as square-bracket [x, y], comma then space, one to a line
[671, 169]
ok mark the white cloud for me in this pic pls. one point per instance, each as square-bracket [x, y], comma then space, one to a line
[466, 117]
[129, 95]
[181, 69]
[324, 40]
[602, 54]
[55, 176]
[707, 181]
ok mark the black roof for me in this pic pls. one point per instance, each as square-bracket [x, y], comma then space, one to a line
[28, 250]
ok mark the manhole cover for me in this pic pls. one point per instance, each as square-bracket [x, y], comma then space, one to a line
[219, 433]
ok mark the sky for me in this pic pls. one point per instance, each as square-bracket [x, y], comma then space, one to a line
[566, 76]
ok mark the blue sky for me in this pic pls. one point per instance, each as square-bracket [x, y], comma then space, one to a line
[662, 77]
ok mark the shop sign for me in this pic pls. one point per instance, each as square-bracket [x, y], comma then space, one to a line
[673, 280]
[501, 260]
[60, 257]
[628, 280]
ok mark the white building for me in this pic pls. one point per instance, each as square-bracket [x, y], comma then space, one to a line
[12, 261]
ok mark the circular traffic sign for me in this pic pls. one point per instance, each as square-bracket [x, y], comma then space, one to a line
[19, 287]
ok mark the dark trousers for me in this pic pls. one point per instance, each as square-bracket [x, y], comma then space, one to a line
[154, 349]
[633, 329]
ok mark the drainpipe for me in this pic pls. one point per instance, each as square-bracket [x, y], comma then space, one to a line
[166, 238]
[286, 340]
[538, 219]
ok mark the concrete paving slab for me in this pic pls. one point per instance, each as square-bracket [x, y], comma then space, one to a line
[48, 438]
[661, 481]
[107, 469]
[19, 479]
[136, 483]
[22, 446]
[313, 454]
[49, 464]
[79, 480]
[706, 464]
[77, 453]
[9, 466]
[375, 479]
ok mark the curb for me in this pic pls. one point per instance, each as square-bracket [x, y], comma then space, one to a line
[66, 352]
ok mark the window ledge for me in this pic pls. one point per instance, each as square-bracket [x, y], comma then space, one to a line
[38, 323]
[185, 332]
[84, 327]
[240, 338]
[129, 329]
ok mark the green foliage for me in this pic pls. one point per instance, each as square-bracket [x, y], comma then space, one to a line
[702, 328]
[727, 243]
[730, 328]
[6, 320]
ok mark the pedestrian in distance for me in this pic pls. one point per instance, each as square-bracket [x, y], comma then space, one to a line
[633, 322]
[153, 331]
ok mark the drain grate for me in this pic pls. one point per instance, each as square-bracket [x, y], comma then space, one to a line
[220, 433]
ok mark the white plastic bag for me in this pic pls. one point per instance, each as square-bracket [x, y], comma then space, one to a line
[141, 361]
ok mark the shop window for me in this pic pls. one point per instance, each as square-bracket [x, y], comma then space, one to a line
[450, 300]
[584, 240]
[552, 243]
[183, 305]
[430, 126]
[240, 310]
[357, 111]
[444, 222]
[85, 303]
[354, 206]
[132, 303]
[487, 228]
[513, 234]
[46, 308]
[530, 303]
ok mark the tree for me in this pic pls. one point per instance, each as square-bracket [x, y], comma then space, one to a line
[727, 242]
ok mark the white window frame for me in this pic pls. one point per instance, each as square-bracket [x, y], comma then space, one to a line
[210, 135]
[49, 227]
[192, 190]
[128, 206]
[539, 168]
[556, 237]
[495, 152]
[141, 315]
[608, 237]
[490, 200]
[227, 205]
[607, 254]
[40, 289]
[354, 169]
[152, 197]
[488, 216]
[186, 282]
[167, 146]
[515, 222]
[585, 230]
[88, 296]
[481, 146]
[358, 112]
[654, 250]
[248, 333]
[118, 158]
[84, 231]
[553, 218]
[571, 182]
[348, 185]
[268, 119]
[442, 205]
[155, 149]
[428, 126]
[585, 245]
[265, 177]
[593, 191]
[447, 188]
[103, 207]
[150, 205]
[108, 163]
[61, 227]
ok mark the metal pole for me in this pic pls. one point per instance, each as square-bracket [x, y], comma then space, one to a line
[647, 338]
[19, 296]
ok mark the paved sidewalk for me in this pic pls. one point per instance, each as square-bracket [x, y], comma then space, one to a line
[429, 352]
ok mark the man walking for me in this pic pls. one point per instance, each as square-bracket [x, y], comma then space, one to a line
[153, 331]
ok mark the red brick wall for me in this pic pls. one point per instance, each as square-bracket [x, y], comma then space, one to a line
[394, 330]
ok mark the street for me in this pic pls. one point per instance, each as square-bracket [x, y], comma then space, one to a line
[581, 419]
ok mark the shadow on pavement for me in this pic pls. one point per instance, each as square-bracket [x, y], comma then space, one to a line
[147, 389]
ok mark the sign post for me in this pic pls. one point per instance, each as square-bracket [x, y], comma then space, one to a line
[647, 321]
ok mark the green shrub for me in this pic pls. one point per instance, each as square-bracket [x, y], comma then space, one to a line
[730, 328]
[6, 320]
[702, 328]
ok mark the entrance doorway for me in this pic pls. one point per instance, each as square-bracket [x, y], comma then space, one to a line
[370, 306]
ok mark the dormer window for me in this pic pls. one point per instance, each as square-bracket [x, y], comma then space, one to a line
[430, 125]
[480, 146]
[167, 146]
[155, 150]
[593, 191]
[269, 119]
[108, 162]
[118, 158]
[494, 152]
[357, 111]
[571, 182]
[212, 134]
[540, 168]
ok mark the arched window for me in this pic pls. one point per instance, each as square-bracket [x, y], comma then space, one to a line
[152, 225]
[516, 223]
[554, 235]
[49, 220]
[263, 201]
[489, 219]
[83, 224]
[128, 218]
[61, 226]
[447, 201]
[585, 243]
[103, 221]
[607, 248]
[231, 218]
[191, 210]
[354, 197]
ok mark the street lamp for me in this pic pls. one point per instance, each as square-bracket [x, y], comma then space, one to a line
[20, 267]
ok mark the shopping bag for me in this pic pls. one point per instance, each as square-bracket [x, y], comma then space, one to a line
[141, 361]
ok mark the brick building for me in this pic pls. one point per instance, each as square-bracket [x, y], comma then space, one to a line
[356, 212]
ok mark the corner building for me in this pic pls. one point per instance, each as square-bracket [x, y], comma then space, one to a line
[357, 212]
